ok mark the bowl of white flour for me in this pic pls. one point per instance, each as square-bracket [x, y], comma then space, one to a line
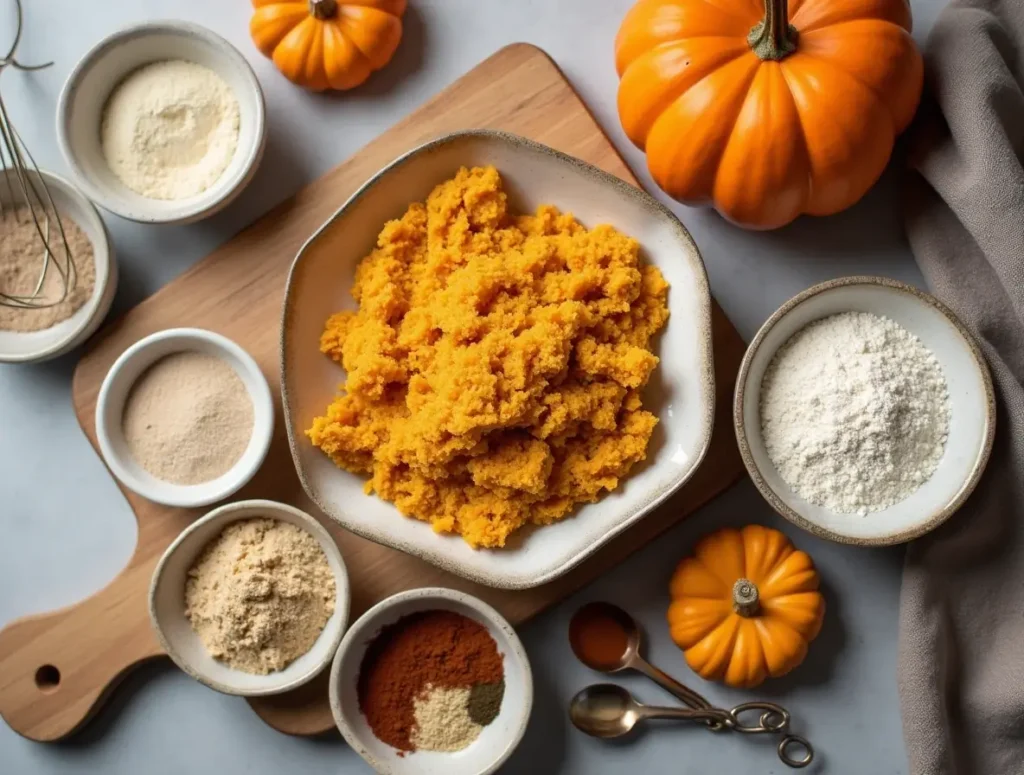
[162, 122]
[864, 411]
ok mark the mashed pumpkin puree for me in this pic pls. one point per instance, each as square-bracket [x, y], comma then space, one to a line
[494, 363]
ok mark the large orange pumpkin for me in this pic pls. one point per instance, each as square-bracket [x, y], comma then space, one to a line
[767, 111]
[327, 44]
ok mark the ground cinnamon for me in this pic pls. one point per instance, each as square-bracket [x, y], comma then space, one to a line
[598, 638]
[436, 649]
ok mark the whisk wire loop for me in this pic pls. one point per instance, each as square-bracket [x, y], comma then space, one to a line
[25, 186]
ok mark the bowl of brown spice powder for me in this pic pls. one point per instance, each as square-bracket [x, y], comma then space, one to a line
[184, 417]
[66, 297]
[252, 599]
[432, 682]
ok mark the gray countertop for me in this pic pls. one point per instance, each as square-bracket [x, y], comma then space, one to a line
[66, 530]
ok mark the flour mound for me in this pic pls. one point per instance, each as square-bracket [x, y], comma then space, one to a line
[170, 129]
[854, 413]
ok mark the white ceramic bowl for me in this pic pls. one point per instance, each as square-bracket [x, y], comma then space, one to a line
[681, 391]
[497, 740]
[972, 405]
[85, 93]
[32, 346]
[179, 640]
[117, 385]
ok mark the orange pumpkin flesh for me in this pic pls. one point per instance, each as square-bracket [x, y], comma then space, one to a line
[767, 110]
[327, 44]
[745, 606]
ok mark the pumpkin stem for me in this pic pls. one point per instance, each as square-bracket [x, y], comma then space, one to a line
[745, 598]
[323, 9]
[774, 37]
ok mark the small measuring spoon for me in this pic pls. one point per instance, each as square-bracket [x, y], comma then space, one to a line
[630, 658]
[607, 711]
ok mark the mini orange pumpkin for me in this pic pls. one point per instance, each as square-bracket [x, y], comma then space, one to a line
[763, 118]
[745, 606]
[327, 44]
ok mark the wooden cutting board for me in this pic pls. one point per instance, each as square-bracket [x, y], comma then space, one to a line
[56, 668]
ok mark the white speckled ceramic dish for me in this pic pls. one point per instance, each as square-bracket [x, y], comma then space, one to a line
[497, 740]
[117, 385]
[34, 346]
[179, 640]
[85, 93]
[681, 391]
[972, 405]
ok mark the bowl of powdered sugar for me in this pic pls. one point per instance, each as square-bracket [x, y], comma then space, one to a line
[864, 411]
[184, 417]
[162, 122]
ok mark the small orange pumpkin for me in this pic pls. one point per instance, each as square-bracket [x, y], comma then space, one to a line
[745, 606]
[327, 44]
[767, 110]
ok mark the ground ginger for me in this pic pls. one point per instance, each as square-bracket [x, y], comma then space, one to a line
[494, 364]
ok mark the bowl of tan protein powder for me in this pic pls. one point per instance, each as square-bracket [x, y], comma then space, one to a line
[162, 122]
[184, 417]
[251, 599]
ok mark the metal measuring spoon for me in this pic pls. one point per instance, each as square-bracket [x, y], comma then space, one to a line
[607, 711]
[630, 659]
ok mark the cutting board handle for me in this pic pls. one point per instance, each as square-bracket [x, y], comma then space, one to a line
[56, 668]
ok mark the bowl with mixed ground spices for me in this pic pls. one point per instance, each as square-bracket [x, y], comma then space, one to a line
[432, 682]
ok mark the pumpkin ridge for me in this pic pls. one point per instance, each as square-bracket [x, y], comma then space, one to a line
[782, 578]
[355, 70]
[709, 551]
[652, 23]
[802, 613]
[804, 145]
[818, 59]
[822, 62]
[731, 94]
[337, 24]
[867, 12]
[286, 54]
[719, 643]
[315, 73]
[813, 206]
[740, 18]
[689, 624]
[769, 632]
[750, 172]
[270, 24]
[748, 655]
[766, 551]
[382, 21]
[676, 91]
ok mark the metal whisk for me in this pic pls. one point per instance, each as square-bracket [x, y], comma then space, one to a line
[26, 186]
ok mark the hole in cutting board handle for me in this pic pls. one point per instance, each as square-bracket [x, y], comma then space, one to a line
[47, 679]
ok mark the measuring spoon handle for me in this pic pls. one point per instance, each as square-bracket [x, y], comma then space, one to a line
[670, 684]
[686, 714]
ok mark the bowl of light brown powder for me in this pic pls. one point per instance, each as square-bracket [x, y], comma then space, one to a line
[184, 417]
[69, 295]
[252, 599]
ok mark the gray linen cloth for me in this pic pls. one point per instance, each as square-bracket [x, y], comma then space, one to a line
[961, 650]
